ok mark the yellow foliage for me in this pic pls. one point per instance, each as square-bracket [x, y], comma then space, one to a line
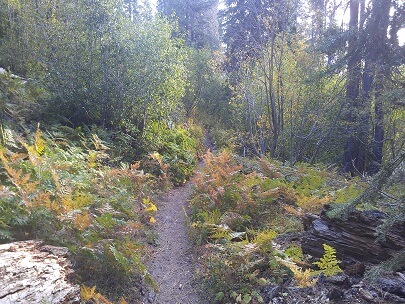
[42, 199]
[39, 142]
[265, 240]
[89, 293]
[21, 181]
[149, 206]
[302, 278]
[82, 220]
[270, 170]
[290, 209]
[92, 159]
[312, 203]
[69, 202]
[328, 264]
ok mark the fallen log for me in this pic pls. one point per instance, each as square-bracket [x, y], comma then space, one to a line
[31, 272]
[354, 239]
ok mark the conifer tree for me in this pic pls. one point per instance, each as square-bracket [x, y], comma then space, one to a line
[197, 20]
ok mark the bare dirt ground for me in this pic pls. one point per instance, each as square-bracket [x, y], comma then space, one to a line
[171, 265]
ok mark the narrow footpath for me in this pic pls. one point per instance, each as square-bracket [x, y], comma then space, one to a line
[171, 265]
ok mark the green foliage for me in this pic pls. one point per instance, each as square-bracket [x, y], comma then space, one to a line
[393, 264]
[13, 215]
[237, 212]
[294, 253]
[53, 189]
[264, 240]
[20, 99]
[347, 194]
[100, 67]
[328, 264]
[176, 148]
[224, 139]
[205, 98]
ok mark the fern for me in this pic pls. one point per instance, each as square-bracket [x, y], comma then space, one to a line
[121, 260]
[90, 294]
[21, 181]
[82, 221]
[87, 293]
[294, 253]
[328, 264]
[303, 278]
[39, 142]
[265, 240]
[218, 232]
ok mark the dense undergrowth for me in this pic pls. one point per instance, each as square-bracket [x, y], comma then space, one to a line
[70, 188]
[239, 209]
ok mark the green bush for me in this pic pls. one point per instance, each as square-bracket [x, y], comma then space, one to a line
[61, 191]
[177, 148]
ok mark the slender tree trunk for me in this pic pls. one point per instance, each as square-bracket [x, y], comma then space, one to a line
[376, 72]
[291, 135]
[377, 51]
[271, 104]
[352, 161]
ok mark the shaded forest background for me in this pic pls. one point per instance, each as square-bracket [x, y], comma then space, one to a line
[106, 104]
[288, 78]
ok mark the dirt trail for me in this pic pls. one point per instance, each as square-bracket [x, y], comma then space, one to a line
[171, 265]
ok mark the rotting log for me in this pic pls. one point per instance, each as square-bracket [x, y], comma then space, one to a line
[31, 272]
[354, 239]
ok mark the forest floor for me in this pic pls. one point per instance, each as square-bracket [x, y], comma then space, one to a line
[171, 265]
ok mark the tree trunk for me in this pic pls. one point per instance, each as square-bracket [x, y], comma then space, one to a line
[354, 239]
[353, 159]
[33, 273]
[378, 52]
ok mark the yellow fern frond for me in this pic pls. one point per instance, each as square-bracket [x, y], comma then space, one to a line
[42, 198]
[150, 206]
[40, 143]
[135, 166]
[87, 293]
[302, 278]
[82, 221]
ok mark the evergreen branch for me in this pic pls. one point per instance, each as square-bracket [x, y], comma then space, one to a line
[371, 193]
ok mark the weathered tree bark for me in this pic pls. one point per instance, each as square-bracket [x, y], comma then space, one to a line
[354, 239]
[354, 153]
[377, 50]
[33, 273]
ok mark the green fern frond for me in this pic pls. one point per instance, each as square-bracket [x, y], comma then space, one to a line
[328, 264]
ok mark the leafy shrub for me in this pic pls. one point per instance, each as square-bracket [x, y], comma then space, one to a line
[237, 211]
[13, 216]
[61, 191]
[223, 139]
[21, 99]
[177, 148]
